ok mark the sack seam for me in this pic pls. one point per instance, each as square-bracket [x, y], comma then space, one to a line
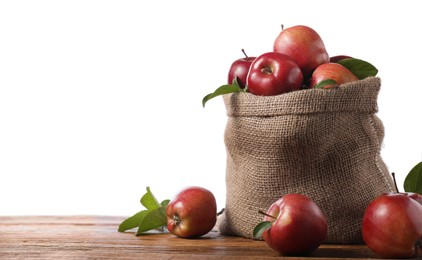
[377, 156]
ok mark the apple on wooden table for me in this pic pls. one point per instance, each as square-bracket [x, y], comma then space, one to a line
[293, 225]
[392, 222]
[392, 225]
[192, 212]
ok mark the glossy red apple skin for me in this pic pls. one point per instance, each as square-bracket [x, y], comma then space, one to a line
[240, 69]
[192, 212]
[333, 71]
[392, 225]
[300, 227]
[273, 73]
[304, 45]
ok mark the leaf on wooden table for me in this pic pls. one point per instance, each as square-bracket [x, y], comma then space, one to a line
[149, 201]
[133, 221]
[155, 218]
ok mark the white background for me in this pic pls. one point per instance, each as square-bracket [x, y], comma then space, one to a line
[99, 99]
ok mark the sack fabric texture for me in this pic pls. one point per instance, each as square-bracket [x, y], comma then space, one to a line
[323, 143]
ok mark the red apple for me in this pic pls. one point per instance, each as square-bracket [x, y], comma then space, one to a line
[392, 225]
[339, 58]
[192, 212]
[273, 73]
[299, 226]
[333, 71]
[239, 69]
[304, 45]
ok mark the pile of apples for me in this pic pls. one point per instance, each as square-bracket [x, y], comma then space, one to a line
[299, 60]
[295, 225]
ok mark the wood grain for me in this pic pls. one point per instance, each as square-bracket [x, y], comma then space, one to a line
[96, 237]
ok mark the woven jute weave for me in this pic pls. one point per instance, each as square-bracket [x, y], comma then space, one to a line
[323, 143]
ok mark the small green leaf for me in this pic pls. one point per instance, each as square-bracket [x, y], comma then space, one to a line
[155, 218]
[149, 201]
[413, 181]
[260, 228]
[325, 83]
[133, 221]
[362, 69]
[224, 89]
[164, 203]
[236, 81]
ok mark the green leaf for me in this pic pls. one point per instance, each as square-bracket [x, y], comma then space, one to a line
[133, 221]
[155, 218]
[224, 89]
[325, 83]
[149, 201]
[236, 81]
[362, 69]
[164, 203]
[413, 181]
[260, 228]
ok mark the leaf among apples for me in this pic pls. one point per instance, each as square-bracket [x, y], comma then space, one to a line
[341, 70]
[224, 89]
[362, 69]
[324, 83]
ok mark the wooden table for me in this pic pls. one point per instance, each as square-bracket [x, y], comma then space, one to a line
[96, 237]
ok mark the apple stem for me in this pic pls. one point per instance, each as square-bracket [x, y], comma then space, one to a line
[267, 70]
[265, 214]
[245, 54]
[395, 182]
[282, 27]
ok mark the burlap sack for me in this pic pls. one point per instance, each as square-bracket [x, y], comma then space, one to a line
[323, 143]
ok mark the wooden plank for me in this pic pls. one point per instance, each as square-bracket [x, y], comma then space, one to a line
[96, 237]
